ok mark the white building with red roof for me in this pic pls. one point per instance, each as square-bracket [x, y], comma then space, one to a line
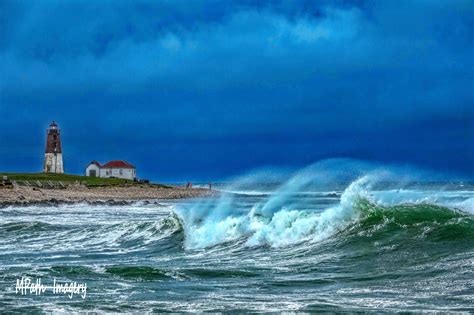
[112, 169]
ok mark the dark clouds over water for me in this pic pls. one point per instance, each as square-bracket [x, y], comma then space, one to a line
[210, 88]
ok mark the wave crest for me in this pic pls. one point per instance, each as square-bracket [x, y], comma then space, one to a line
[279, 221]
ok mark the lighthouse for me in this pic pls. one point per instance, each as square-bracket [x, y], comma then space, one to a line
[53, 157]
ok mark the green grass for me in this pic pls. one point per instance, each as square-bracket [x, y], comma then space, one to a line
[66, 179]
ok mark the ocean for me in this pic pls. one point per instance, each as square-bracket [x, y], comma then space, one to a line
[356, 246]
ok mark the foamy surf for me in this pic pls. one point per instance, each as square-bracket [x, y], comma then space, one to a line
[279, 221]
[339, 242]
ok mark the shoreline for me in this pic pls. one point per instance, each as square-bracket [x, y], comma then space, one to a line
[114, 195]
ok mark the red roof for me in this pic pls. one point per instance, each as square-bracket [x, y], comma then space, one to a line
[117, 164]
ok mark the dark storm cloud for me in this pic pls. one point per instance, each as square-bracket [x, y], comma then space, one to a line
[225, 86]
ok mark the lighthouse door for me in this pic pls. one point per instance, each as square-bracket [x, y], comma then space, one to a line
[92, 173]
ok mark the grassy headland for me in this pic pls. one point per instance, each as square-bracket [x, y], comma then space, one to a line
[67, 179]
[76, 188]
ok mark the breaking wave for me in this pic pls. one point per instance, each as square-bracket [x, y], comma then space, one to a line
[352, 241]
[279, 221]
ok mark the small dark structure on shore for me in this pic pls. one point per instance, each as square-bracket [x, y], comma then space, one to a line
[6, 183]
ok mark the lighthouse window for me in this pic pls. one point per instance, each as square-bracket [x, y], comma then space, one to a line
[55, 137]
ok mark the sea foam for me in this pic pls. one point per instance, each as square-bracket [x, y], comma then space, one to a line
[278, 218]
[275, 222]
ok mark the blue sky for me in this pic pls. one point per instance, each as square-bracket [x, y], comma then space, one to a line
[209, 89]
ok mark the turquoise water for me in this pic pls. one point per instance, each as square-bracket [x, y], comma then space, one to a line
[288, 247]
